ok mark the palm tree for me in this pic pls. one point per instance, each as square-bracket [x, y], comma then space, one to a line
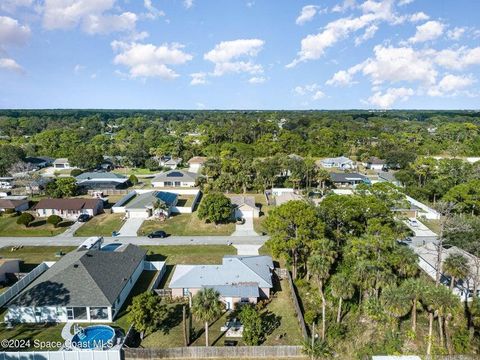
[206, 307]
[395, 302]
[414, 288]
[405, 261]
[343, 289]
[319, 264]
[455, 266]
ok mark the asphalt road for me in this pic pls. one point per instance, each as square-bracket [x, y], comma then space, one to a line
[137, 240]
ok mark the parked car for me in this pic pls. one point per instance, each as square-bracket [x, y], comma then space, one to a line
[83, 218]
[413, 222]
[240, 221]
[157, 234]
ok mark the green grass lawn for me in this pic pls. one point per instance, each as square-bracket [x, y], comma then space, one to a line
[136, 171]
[189, 254]
[280, 324]
[186, 224]
[33, 332]
[101, 225]
[39, 227]
[433, 225]
[34, 255]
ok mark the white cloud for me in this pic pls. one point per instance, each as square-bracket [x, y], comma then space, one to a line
[250, 4]
[311, 90]
[105, 24]
[368, 34]
[456, 59]
[405, 2]
[431, 30]
[307, 14]
[198, 78]
[392, 95]
[12, 32]
[226, 54]
[10, 65]
[450, 85]
[78, 68]
[153, 12]
[257, 80]
[346, 5]
[187, 4]
[200, 105]
[148, 60]
[456, 33]
[314, 45]
[419, 16]
[342, 77]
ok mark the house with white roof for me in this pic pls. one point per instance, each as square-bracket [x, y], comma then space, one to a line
[175, 178]
[342, 162]
[239, 279]
[102, 180]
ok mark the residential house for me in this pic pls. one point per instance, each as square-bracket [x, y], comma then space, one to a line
[342, 163]
[196, 163]
[62, 164]
[85, 285]
[39, 162]
[69, 208]
[175, 178]
[144, 205]
[102, 181]
[388, 177]
[169, 162]
[239, 279]
[244, 207]
[374, 163]
[12, 205]
[348, 179]
[7, 267]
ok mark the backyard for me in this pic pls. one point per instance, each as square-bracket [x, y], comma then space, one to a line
[39, 227]
[186, 224]
[34, 255]
[34, 335]
[101, 225]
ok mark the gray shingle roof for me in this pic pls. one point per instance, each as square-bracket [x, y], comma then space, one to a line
[238, 290]
[101, 175]
[176, 175]
[83, 278]
[347, 177]
[238, 201]
[142, 201]
[233, 270]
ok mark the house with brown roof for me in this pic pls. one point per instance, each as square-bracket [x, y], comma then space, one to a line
[15, 205]
[69, 208]
[196, 163]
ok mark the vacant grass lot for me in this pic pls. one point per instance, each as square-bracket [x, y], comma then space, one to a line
[34, 255]
[280, 324]
[101, 225]
[186, 224]
[39, 227]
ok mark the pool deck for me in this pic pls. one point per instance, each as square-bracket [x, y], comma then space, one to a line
[67, 331]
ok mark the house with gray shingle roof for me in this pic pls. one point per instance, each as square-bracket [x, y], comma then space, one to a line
[341, 162]
[237, 279]
[175, 178]
[85, 285]
[152, 203]
[101, 180]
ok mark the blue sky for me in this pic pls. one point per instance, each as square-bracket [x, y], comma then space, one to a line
[240, 54]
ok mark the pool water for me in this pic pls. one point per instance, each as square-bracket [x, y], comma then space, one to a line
[110, 247]
[94, 337]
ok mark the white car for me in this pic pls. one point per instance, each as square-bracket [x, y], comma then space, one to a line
[5, 185]
[413, 222]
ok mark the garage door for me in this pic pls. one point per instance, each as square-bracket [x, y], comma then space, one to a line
[137, 214]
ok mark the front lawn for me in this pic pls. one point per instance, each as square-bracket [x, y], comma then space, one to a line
[101, 225]
[39, 227]
[34, 255]
[189, 254]
[186, 224]
[280, 324]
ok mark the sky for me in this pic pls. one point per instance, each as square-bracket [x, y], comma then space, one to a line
[240, 54]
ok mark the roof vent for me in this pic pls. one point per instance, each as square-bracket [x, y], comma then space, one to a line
[75, 266]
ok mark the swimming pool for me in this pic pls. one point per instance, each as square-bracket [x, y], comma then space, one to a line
[110, 247]
[94, 337]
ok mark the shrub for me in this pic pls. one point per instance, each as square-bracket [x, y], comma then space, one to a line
[25, 219]
[133, 179]
[76, 172]
[9, 211]
[54, 220]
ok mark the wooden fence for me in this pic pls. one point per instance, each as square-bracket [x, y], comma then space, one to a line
[296, 305]
[196, 352]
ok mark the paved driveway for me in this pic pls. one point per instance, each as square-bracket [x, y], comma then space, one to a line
[245, 229]
[247, 249]
[71, 229]
[131, 226]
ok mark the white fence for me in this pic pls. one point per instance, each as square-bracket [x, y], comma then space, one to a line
[428, 212]
[61, 355]
[23, 283]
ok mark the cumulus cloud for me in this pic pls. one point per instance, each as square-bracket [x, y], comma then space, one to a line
[105, 24]
[148, 60]
[404, 2]
[419, 16]
[456, 59]
[368, 34]
[386, 99]
[456, 33]
[311, 90]
[314, 45]
[187, 4]
[227, 56]
[257, 80]
[153, 12]
[198, 78]
[431, 30]
[10, 65]
[12, 32]
[450, 85]
[344, 77]
[307, 13]
[346, 5]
